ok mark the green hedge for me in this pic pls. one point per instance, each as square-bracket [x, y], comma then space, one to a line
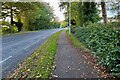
[104, 41]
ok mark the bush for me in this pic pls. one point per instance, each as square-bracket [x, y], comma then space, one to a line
[13, 29]
[114, 24]
[5, 29]
[104, 41]
[9, 29]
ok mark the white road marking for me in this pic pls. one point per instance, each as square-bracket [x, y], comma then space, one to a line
[34, 43]
[5, 59]
[28, 46]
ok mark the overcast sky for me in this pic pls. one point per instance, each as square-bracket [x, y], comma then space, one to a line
[57, 12]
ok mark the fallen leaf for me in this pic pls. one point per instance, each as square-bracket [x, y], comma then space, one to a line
[78, 69]
[55, 76]
[28, 70]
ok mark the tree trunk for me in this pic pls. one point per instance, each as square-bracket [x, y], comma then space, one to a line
[11, 14]
[104, 15]
[25, 21]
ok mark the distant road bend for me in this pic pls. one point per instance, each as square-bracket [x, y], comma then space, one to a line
[17, 47]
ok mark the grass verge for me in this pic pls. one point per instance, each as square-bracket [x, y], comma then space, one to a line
[77, 43]
[40, 63]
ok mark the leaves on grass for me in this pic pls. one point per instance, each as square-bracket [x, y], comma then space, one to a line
[40, 63]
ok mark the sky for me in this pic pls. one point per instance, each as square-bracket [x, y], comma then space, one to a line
[56, 8]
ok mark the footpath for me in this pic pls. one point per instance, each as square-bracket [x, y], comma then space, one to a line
[70, 62]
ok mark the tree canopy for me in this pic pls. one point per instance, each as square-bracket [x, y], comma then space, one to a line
[34, 15]
[82, 12]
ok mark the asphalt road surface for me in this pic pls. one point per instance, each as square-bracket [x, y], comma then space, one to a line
[17, 47]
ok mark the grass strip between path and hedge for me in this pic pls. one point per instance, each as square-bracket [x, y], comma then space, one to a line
[40, 63]
[77, 43]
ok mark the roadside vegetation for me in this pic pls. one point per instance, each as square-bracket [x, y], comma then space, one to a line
[104, 42]
[77, 43]
[99, 34]
[40, 63]
[27, 16]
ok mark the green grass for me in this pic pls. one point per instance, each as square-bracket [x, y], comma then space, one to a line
[40, 63]
[77, 43]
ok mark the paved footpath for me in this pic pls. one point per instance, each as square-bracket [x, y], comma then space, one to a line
[70, 63]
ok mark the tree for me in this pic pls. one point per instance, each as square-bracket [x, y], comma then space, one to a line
[104, 14]
[82, 12]
[34, 15]
[77, 13]
[90, 12]
[42, 17]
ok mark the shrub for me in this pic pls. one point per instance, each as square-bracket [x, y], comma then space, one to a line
[104, 41]
[5, 29]
[13, 29]
[9, 29]
[114, 24]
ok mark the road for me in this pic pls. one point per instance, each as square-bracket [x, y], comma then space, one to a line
[17, 47]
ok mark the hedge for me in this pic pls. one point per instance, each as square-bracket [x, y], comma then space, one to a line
[104, 41]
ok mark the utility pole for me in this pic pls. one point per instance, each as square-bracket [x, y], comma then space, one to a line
[69, 16]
